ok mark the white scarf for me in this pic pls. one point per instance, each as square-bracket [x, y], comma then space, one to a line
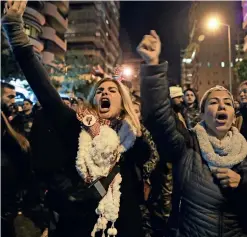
[225, 153]
[95, 158]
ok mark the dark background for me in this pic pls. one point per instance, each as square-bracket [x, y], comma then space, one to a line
[169, 19]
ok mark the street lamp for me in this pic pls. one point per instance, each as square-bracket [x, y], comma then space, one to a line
[127, 71]
[214, 24]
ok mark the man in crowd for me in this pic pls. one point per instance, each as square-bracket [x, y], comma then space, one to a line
[8, 95]
[176, 95]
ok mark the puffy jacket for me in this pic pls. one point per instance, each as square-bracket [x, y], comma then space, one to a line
[205, 209]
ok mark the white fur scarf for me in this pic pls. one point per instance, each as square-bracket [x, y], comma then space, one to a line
[225, 153]
[95, 157]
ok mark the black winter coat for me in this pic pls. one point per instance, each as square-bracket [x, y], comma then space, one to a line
[67, 194]
[205, 209]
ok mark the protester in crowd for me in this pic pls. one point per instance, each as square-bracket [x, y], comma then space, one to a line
[191, 111]
[8, 95]
[210, 168]
[241, 122]
[15, 174]
[87, 199]
[23, 121]
[157, 178]
[236, 105]
[74, 104]
[27, 115]
[176, 95]
[67, 101]
[36, 107]
[137, 107]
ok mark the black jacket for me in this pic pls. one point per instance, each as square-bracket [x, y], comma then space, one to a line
[16, 180]
[205, 209]
[77, 216]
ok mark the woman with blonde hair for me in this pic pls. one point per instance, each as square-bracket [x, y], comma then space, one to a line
[209, 166]
[96, 189]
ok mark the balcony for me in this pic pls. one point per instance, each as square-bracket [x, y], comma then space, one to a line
[63, 6]
[34, 15]
[38, 5]
[93, 52]
[54, 18]
[38, 46]
[50, 34]
[111, 57]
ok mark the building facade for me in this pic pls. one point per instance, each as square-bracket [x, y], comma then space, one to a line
[93, 32]
[46, 24]
[205, 61]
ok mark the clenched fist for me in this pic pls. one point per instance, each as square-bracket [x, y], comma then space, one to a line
[228, 178]
[17, 7]
[149, 48]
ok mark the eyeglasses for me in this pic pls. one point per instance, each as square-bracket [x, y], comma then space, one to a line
[244, 91]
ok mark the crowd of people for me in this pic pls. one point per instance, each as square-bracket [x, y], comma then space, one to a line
[161, 164]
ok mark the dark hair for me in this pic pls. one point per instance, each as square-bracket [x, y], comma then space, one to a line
[80, 98]
[66, 98]
[73, 101]
[196, 102]
[6, 85]
[29, 101]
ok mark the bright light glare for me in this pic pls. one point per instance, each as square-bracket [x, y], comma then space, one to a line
[213, 24]
[127, 71]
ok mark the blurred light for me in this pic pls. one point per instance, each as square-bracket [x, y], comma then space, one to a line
[127, 71]
[189, 60]
[213, 24]
[193, 54]
[222, 64]
[107, 22]
[236, 59]
[240, 60]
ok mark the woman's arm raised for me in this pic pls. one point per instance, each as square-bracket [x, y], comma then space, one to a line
[156, 109]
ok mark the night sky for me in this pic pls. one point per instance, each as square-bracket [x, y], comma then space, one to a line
[169, 19]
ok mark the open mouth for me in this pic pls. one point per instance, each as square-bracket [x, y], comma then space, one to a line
[221, 117]
[105, 104]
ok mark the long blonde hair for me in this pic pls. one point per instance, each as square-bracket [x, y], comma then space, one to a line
[20, 139]
[129, 112]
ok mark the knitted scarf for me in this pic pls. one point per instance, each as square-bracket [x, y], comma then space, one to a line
[225, 153]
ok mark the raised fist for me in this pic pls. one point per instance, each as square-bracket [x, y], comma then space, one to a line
[149, 48]
[15, 7]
